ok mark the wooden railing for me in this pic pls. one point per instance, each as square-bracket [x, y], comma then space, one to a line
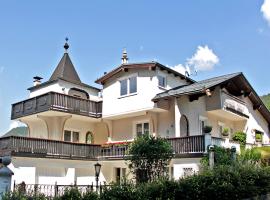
[189, 144]
[24, 146]
[58, 102]
[30, 147]
[114, 150]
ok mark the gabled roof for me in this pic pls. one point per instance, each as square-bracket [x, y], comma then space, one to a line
[65, 70]
[196, 87]
[150, 65]
[236, 83]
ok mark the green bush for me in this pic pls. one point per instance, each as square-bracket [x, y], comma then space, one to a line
[207, 129]
[119, 192]
[225, 131]
[240, 137]
[90, 196]
[222, 156]
[258, 137]
[71, 194]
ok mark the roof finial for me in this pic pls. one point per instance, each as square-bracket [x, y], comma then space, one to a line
[124, 56]
[66, 46]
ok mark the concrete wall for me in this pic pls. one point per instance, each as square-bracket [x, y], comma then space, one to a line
[147, 88]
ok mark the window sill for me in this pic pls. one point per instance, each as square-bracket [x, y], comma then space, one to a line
[127, 95]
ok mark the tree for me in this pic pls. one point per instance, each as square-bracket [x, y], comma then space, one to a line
[149, 157]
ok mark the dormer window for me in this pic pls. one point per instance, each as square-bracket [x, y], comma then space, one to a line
[128, 86]
[161, 81]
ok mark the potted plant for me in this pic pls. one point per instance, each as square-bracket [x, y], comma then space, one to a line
[207, 129]
[225, 132]
[258, 137]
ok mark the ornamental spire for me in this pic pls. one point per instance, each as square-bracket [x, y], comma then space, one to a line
[124, 57]
[66, 46]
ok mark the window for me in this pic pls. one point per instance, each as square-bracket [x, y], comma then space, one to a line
[188, 171]
[89, 139]
[120, 174]
[132, 84]
[71, 136]
[123, 84]
[202, 123]
[67, 136]
[161, 81]
[128, 86]
[184, 126]
[142, 128]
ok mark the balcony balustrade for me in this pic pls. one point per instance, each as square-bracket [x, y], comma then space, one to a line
[56, 102]
[37, 147]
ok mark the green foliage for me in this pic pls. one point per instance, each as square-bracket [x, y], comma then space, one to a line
[266, 100]
[240, 137]
[258, 137]
[120, 192]
[225, 131]
[222, 156]
[207, 129]
[149, 157]
[71, 194]
[249, 156]
[90, 196]
[16, 195]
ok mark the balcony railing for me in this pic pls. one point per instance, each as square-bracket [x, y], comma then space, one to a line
[57, 102]
[24, 146]
[189, 144]
[37, 147]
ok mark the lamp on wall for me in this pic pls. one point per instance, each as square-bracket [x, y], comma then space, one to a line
[97, 172]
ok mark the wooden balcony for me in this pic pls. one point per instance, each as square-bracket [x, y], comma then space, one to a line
[56, 102]
[44, 148]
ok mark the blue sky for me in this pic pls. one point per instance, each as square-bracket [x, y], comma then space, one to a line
[233, 35]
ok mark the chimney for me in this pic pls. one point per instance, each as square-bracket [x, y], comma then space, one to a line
[124, 57]
[37, 80]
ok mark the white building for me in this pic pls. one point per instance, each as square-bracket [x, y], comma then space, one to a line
[73, 125]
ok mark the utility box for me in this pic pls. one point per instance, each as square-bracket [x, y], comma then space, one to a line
[5, 176]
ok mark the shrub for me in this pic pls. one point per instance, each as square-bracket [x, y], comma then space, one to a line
[149, 157]
[90, 196]
[71, 194]
[225, 131]
[240, 137]
[119, 192]
[222, 156]
[207, 129]
[258, 137]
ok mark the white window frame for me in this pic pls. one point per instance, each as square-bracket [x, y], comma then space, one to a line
[71, 136]
[140, 122]
[165, 81]
[128, 85]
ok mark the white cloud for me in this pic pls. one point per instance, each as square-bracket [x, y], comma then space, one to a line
[179, 68]
[15, 124]
[265, 9]
[204, 59]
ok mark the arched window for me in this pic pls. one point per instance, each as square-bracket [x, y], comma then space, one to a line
[184, 126]
[89, 138]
